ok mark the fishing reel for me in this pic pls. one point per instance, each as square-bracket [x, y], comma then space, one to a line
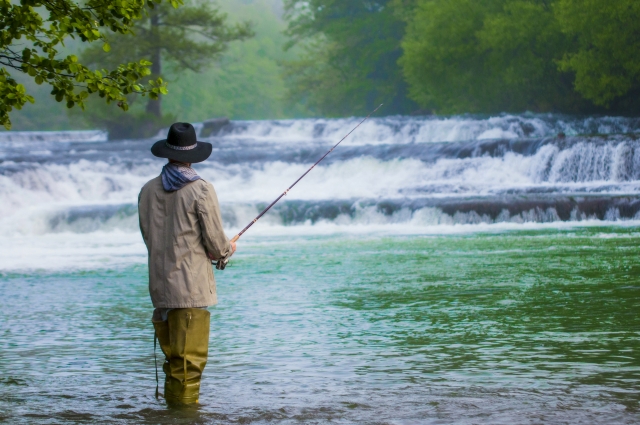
[221, 264]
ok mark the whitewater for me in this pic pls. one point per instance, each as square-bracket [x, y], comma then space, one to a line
[69, 198]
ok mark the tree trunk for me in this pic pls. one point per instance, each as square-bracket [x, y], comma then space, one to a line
[154, 106]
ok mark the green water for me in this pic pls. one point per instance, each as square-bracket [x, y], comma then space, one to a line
[513, 327]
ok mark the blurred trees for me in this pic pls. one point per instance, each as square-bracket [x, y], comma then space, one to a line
[32, 37]
[605, 56]
[246, 82]
[188, 38]
[350, 49]
[457, 56]
[444, 56]
[487, 56]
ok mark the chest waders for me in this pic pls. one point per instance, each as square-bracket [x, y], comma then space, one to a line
[184, 340]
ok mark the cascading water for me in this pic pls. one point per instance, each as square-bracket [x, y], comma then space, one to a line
[395, 174]
[54, 136]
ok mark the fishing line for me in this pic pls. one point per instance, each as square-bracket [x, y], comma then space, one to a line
[221, 264]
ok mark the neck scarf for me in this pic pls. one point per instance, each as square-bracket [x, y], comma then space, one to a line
[175, 176]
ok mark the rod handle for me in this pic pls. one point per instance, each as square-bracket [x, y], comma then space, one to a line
[235, 238]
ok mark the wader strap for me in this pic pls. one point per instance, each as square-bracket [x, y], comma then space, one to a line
[184, 354]
[155, 360]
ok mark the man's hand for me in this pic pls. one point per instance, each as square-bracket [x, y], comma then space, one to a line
[233, 249]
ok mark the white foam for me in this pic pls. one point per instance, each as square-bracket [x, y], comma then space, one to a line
[497, 133]
[82, 214]
[410, 229]
[402, 130]
[363, 177]
[72, 251]
[52, 187]
[107, 250]
[30, 197]
[53, 136]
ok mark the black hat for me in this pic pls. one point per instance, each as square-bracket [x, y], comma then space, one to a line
[181, 145]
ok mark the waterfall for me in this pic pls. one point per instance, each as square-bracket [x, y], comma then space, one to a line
[413, 172]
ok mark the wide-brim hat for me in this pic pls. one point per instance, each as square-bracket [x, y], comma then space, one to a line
[182, 145]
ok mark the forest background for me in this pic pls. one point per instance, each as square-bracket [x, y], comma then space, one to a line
[343, 57]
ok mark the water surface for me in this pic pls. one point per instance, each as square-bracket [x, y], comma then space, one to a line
[517, 327]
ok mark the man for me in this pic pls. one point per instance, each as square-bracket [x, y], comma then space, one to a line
[182, 228]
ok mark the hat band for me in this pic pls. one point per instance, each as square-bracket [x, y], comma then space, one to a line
[180, 148]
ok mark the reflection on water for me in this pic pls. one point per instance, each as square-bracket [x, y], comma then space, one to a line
[522, 327]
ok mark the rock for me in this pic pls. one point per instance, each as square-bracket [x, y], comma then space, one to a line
[423, 112]
[213, 126]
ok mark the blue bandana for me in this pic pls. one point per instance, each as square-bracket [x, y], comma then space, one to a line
[176, 176]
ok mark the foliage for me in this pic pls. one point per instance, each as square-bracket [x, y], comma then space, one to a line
[349, 61]
[514, 55]
[522, 44]
[440, 60]
[490, 56]
[607, 34]
[457, 56]
[44, 25]
[187, 39]
[246, 82]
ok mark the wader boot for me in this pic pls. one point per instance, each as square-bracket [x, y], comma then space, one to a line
[184, 340]
[162, 336]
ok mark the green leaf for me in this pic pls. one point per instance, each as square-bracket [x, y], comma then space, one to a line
[46, 26]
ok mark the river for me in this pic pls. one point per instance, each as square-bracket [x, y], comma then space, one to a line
[433, 270]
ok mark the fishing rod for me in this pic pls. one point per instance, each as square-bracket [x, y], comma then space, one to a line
[221, 264]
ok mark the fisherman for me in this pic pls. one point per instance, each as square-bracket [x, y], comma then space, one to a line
[182, 228]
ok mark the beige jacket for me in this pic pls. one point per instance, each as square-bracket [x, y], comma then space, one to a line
[179, 228]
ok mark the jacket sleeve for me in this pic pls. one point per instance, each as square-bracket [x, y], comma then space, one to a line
[213, 237]
[140, 221]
